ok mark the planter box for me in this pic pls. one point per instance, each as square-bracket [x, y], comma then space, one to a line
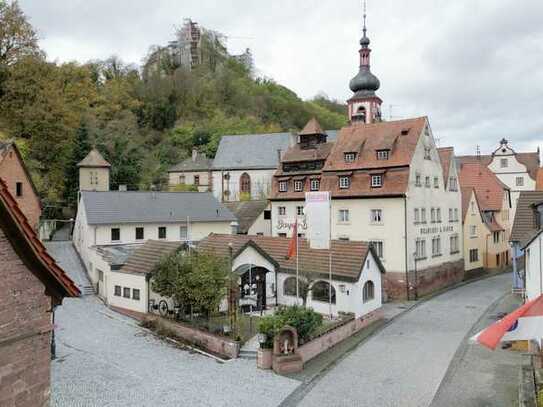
[264, 358]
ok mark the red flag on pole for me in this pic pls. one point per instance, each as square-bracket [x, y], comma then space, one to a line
[293, 245]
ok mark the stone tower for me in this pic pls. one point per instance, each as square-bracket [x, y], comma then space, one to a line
[94, 172]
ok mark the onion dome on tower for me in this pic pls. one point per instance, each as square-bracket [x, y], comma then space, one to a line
[364, 105]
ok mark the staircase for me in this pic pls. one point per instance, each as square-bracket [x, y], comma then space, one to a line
[87, 290]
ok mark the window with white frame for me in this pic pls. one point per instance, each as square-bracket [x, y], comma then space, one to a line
[436, 182]
[456, 218]
[117, 292]
[427, 182]
[343, 216]
[473, 230]
[418, 182]
[472, 208]
[504, 163]
[433, 215]
[376, 181]
[378, 246]
[281, 210]
[136, 294]
[283, 186]
[436, 246]
[383, 154]
[349, 157]
[126, 292]
[376, 216]
[451, 215]
[315, 184]
[453, 184]
[344, 182]
[299, 210]
[438, 215]
[298, 185]
[520, 181]
[417, 215]
[454, 244]
[473, 255]
[420, 248]
[423, 215]
[368, 291]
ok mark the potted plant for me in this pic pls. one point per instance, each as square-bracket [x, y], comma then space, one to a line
[266, 333]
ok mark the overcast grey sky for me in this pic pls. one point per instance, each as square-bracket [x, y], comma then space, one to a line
[473, 66]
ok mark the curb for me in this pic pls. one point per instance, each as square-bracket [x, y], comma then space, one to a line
[305, 387]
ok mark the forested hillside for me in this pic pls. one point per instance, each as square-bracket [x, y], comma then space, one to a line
[142, 123]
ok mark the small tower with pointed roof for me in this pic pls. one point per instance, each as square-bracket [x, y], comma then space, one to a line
[94, 172]
[364, 106]
[311, 135]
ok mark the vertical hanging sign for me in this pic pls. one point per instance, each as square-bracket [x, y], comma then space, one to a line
[317, 211]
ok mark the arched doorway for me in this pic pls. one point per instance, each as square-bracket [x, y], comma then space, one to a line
[252, 287]
[245, 184]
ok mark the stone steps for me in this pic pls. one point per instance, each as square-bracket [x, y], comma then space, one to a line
[87, 290]
[247, 354]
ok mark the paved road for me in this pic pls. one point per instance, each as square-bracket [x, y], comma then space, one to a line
[105, 359]
[478, 377]
[405, 363]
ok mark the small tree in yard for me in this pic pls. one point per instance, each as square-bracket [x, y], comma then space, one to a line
[195, 280]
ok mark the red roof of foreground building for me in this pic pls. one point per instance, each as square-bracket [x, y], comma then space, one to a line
[31, 250]
[488, 187]
[348, 257]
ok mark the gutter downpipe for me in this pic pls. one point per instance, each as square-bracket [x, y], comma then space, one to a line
[405, 240]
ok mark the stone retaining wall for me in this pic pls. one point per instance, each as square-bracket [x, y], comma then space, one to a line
[321, 344]
[205, 340]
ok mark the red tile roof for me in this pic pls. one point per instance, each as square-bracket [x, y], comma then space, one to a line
[348, 257]
[146, 257]
[446, 155]
[31, 250]
[489, 189]
[530, 160]
[312, 127]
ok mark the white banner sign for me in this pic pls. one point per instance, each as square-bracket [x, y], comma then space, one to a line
[317, 212]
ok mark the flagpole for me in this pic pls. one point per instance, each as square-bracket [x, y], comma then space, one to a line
[297, 264]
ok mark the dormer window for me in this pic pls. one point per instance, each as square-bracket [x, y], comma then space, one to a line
[383, 154]
[315, 184]
[344, 182]
[349, 157]
[376, 181]
[283, 186]
[298, 186]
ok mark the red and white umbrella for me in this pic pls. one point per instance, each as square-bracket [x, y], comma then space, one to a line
[525, 323]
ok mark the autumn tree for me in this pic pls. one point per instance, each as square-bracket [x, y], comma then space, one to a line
[17, 36]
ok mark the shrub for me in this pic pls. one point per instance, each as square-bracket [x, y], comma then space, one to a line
[304, 320]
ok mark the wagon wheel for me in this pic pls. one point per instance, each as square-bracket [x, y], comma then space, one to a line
[163, 308]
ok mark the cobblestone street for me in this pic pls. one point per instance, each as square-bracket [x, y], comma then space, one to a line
[105, 359]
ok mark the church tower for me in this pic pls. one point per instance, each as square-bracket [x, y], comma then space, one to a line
[364, 106]
[94, 172]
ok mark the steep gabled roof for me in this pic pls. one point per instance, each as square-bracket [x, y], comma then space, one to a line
[524, 225]
[247, 212]
[490, 190]
[117, 207]
[348, 257]
[30, 249]
[530, 160]
[446, 155]
[94, 160]
[312, 127]
[146, 257]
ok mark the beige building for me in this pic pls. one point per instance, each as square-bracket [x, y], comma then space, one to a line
[94, 172]
[194, 173]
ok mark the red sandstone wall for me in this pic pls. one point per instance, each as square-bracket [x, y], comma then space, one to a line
[12, 171]
[428, 280]
[321, 344]
[25, 333]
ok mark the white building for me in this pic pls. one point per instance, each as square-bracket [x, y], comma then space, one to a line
[254, 217]
[518, 171]
[268, 277]
[116, 218]
[390, 185]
